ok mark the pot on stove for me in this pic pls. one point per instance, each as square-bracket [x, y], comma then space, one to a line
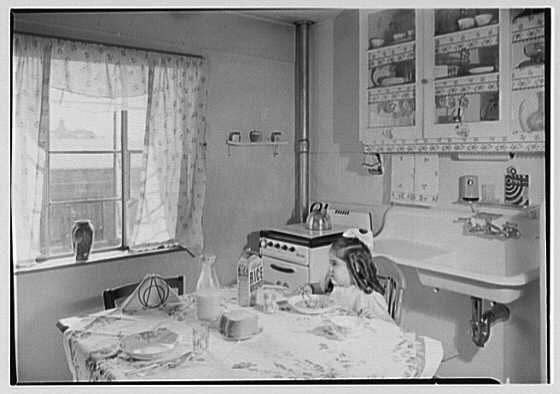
[318, 218]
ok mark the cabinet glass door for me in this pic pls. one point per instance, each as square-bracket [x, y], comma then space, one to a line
[390, 75]
[528, 60]
[466, 70]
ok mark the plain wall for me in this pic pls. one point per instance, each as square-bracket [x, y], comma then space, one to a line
[250, 86]
[513, 350]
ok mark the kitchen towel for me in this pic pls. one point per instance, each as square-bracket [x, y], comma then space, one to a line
[415, 179]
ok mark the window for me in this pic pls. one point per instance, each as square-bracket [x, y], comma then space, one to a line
[85, 168]
[109, 134]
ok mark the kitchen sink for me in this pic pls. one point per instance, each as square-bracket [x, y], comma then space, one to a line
[435, 243]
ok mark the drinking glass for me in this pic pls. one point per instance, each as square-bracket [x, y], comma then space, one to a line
[200, 338]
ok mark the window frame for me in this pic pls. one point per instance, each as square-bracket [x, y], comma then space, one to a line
[125, 155]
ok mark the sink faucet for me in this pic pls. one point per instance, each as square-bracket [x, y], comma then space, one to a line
[481, 222]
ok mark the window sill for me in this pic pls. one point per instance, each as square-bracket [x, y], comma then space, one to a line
[95, 258]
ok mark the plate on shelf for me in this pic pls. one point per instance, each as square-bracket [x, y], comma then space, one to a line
[392, 81]
[529, 63]
[378, 73]
[401, 40]
[149, 345]
[313, 304]
[481, 69]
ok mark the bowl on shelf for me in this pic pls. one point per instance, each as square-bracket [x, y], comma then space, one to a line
[376, 42]
[483, 19]
[534, 49]
[399, 37]
[465, 23]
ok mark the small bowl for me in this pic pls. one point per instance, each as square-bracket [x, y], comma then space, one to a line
[534, 49]
[376, 42]
[465, 23]
[483, 19]
[399, 36]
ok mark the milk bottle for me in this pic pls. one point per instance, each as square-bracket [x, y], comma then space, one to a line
[208, 291]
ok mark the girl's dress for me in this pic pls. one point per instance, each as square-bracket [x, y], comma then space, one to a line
[353, 298]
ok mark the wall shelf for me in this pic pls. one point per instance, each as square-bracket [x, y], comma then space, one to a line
[274, 144]
[489, 204]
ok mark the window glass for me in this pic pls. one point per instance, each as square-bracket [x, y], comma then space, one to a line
[85, 167]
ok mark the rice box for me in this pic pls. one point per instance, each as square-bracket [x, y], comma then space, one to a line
[249, 280]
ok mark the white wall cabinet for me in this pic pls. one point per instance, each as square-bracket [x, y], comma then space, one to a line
[451, 80]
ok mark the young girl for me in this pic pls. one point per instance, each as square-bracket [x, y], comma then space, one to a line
[352, 276]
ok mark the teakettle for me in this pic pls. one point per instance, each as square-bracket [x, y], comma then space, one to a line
[318, 218]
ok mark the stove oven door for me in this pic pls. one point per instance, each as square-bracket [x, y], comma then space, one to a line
[284, 273]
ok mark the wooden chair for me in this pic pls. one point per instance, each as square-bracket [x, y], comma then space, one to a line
[116, 293]
[392, 279]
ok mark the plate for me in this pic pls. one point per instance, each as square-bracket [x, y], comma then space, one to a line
[481, 69]
[243, 338]
[378, 73]
[392, 81]
[149, 345]
[323, 304]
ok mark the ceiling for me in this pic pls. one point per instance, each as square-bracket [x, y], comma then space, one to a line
[290, 16]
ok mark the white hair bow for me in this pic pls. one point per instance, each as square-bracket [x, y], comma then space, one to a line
[365, 236]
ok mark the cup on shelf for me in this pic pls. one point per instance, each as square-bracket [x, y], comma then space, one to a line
[465, 23]
[483, 19]
[275, 136]
[234, 136]
[255, 136]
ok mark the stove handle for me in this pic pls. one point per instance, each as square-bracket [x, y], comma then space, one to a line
[282, 269]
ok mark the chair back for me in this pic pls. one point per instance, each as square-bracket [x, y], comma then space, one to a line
[392, 279]
[110, 296]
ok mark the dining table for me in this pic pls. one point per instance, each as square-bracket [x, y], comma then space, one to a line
[289, 345]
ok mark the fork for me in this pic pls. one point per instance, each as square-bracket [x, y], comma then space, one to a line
[171, 363]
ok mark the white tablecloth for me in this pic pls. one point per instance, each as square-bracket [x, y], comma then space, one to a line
[291, 346]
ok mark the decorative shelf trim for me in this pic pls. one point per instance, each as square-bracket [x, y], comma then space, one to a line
[528, 83]
[391, 54]
[528, 35]
[528, 28]
[448, 147]
[400, 92]
[528, 77]
[265, 143]
[528, 22]
[471, 84]
[469, 39]
[529, 71]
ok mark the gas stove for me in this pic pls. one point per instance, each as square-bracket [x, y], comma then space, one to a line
[294, 255]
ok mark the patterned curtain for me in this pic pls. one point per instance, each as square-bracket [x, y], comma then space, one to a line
[31, 57]
[99, 70]
[174, 180]
[173, 176]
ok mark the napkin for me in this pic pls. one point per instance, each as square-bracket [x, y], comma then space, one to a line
[152, 292]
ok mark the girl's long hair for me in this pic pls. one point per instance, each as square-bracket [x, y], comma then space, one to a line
[359, 262]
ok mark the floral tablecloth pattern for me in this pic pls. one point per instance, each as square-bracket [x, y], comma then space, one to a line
[291, 346]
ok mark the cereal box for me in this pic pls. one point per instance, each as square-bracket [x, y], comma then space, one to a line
[249, 279]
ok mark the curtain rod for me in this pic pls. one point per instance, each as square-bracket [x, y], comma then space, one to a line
[104, 43]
